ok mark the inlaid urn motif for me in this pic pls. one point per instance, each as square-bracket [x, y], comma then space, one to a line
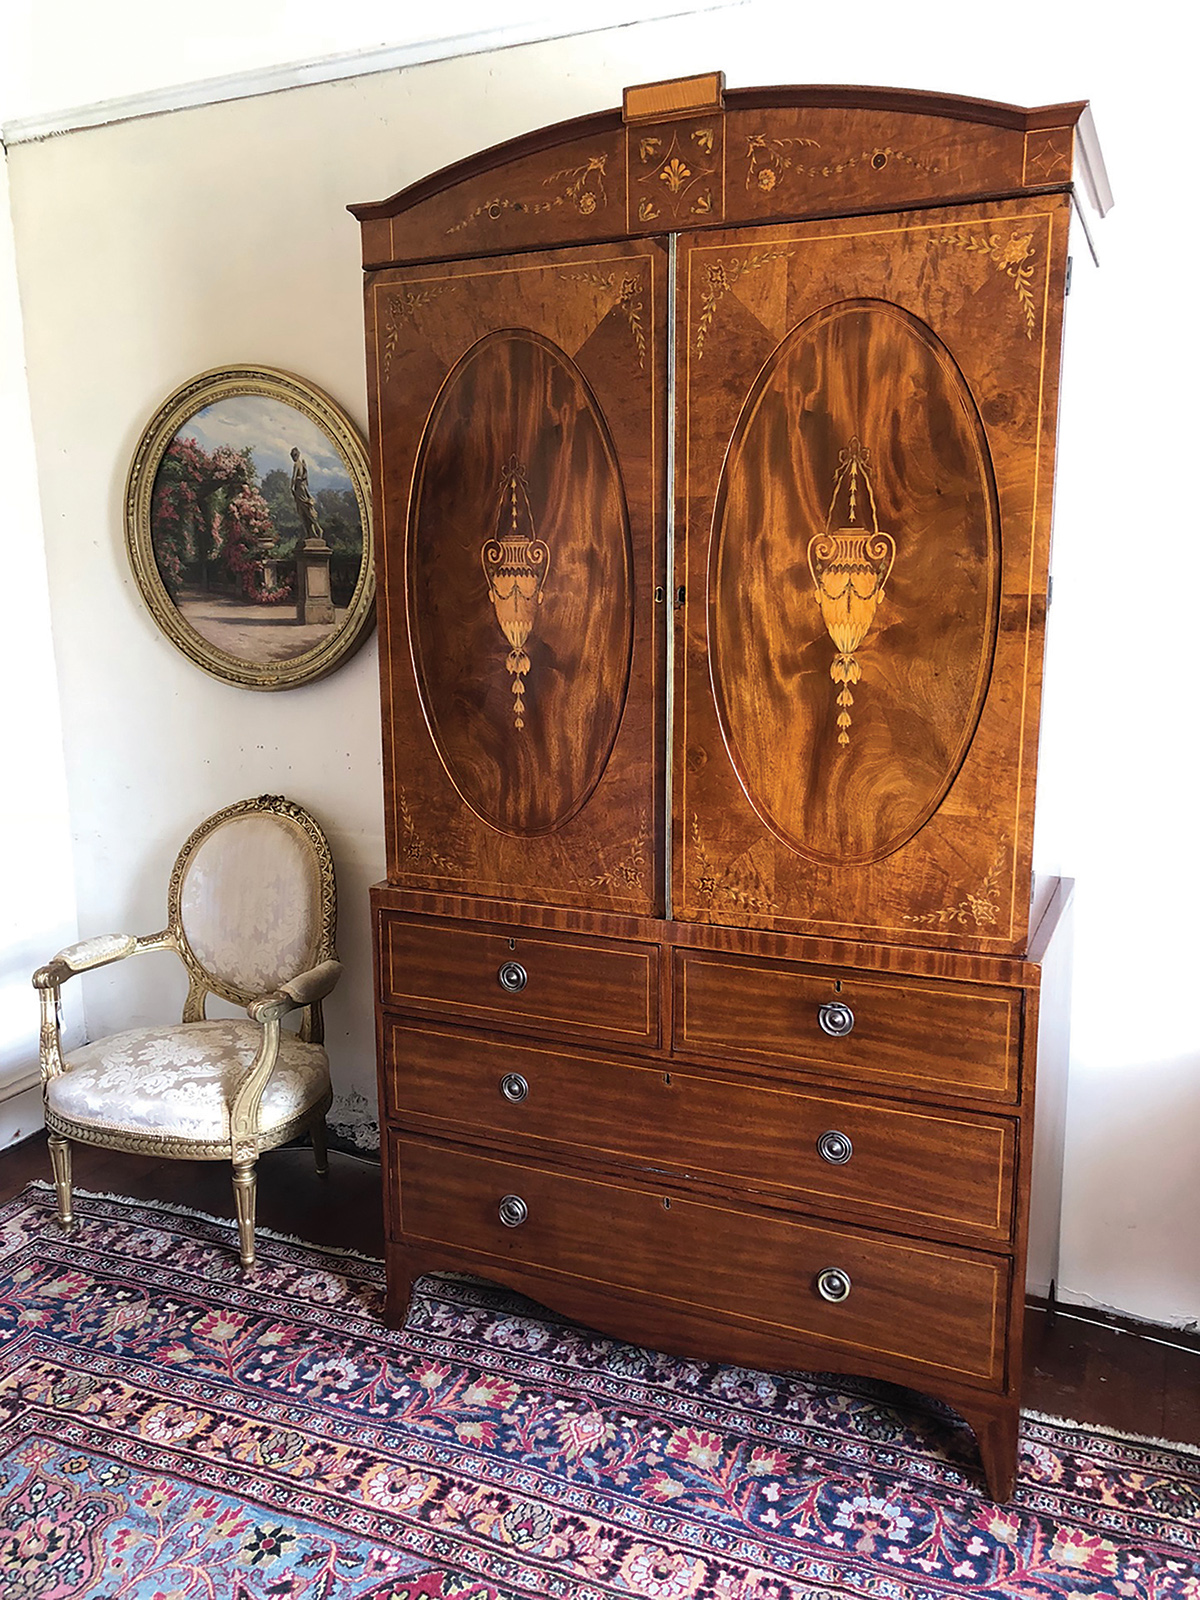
[515, 564]
[850, 564]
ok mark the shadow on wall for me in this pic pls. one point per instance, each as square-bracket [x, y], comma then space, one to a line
[1132, 1187]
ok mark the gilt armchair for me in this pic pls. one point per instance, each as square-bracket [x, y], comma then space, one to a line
[251, 912]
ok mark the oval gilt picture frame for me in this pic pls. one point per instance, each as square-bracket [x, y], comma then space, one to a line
[248, 524]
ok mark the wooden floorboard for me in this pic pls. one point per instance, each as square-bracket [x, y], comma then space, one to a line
[1076, 1369]
[1134, 1382]
[344, 1209]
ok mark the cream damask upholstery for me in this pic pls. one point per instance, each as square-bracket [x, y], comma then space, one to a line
[251, 912]
[180, 1081]
[246, 921]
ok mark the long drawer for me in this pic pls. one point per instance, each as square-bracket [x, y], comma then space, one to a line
[962, 1038]
[928, 1306]
[907, 1167]
[537, 982]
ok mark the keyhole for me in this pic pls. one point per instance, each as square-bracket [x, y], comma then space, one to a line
[837, 988]
[512, 945]
[667, 1079]
[666, 1204]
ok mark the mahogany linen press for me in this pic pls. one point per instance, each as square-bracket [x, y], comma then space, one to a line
[713, 447]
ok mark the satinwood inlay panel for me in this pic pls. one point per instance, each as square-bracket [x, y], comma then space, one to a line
[866, 456]
[520, 586]
[853, 582]
[519, 458]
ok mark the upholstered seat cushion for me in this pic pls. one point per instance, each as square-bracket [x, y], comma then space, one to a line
[178, 1080]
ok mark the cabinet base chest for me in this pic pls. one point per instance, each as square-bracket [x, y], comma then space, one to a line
[772, 1151]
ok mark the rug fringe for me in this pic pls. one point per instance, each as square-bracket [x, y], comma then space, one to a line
[1178, 1445]
[227, 1223]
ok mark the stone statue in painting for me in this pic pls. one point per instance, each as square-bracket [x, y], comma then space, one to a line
[314, 602]
[306, 507]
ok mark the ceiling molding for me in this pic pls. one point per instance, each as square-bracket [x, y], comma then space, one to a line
[330, 69]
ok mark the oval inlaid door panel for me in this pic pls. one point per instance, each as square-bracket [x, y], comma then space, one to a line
[853, 582]
[520, 596]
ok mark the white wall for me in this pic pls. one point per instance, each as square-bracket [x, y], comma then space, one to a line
[37, 893]
[73, 56]
[151, 250]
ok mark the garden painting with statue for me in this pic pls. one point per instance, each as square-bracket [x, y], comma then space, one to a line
[256, 528]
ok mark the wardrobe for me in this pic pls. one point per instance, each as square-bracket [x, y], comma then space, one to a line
[719, 1006]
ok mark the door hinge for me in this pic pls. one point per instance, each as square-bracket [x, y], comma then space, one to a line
[1070, 269]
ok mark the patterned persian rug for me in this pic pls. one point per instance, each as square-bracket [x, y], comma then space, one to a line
[168, 1431]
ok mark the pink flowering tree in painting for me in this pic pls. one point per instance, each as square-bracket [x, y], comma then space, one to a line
[211, 525]
[249, 535]
[180, 527]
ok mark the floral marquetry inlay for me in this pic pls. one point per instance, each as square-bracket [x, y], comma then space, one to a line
[403, 304]
[628, 293]
[416, 853]
[580, 188]
[629, 872]
[982, 909]
[768, 160]
[720, 277]
[771, 162]
[1012, 256]
[675, 173]
[743, 884]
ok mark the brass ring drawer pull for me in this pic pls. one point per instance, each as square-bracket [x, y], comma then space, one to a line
[835, 1147]
[833, 1284]
[513, 1211]
[513, 1087]
[835, 1018]
[512, 977]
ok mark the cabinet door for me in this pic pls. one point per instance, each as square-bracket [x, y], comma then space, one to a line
[517, 408]
[866, 458]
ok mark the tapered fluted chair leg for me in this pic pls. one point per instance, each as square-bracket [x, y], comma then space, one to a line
[245, 1184]
[60, 1161]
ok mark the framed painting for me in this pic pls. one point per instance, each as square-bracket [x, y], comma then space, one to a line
[248, 522]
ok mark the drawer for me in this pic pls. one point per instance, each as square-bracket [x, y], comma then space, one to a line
[905, 1167]
[926, 1306]
[539, 982]
[958, 1038]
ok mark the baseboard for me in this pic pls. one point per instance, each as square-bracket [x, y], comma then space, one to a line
[1118, 1322]
[21, 1115]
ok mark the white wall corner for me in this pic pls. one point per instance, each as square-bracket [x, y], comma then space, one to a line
[37, 908]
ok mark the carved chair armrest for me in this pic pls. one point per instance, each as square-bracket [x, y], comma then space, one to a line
[306, 989]
[303, 990]
[85, 956]
[82, 957]
[101, 951]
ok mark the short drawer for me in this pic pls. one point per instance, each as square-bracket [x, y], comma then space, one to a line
[537, 982]
[962, 1038]
[929, 1307]
[905, 1167]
